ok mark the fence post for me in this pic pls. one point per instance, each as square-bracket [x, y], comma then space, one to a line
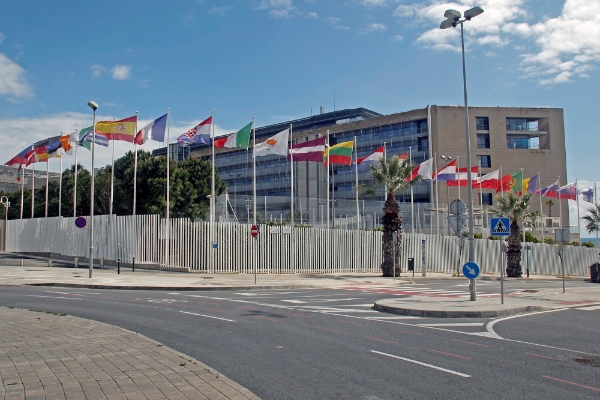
[102, 263]
[118, 266]
[75, 262]
[49, 263]
[133, 264]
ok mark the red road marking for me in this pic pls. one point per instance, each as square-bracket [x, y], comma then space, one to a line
[572, 383]
[325, 329]
[449, 354]
[474, 344]
[412, 333]
[379, 340]
[541, 356]
[264, 318]
[352, 323]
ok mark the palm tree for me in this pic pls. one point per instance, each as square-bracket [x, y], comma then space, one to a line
[392, 174]
[549, 203]
[592, 219]
[515, 208]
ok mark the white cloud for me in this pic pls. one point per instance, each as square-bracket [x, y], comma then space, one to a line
[376, 3]
[278, 8]
[97, 70]
[397, 38]
[121, 72]
[373, 27]
[2, 37]
[12, 79]
[334, 21]
[312, 15]
[219, 10]
[17, 133]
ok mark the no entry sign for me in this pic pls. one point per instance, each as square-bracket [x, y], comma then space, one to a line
[254, 231]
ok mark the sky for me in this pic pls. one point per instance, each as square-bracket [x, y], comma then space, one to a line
[282, 59]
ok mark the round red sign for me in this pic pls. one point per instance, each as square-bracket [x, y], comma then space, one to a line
[254, 231]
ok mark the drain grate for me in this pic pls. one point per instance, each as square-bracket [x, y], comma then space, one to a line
[588, 361]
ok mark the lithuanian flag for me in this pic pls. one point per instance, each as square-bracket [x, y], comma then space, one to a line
[339, 154]
[118, 130]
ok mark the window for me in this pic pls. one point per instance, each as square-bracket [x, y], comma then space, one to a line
[483, 123]
[521, 124]
[486, 199]
[515, 142]
[483, 141]
[485, 161]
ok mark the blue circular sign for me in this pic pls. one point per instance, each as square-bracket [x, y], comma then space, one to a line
[471, 270]
[80, 222]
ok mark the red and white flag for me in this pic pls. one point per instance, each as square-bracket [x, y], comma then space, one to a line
[372, 158]
[425, 170]
[488, 181]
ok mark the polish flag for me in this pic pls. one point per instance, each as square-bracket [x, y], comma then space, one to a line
[488, 181]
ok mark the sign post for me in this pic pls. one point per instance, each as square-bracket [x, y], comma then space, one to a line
[471, 271]
[423, 265]
[562, 235]
[254, 233]
[500, 227]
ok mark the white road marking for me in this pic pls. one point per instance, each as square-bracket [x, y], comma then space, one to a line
[295, 301]
[590, 308]
[423, 364]
[74, 294]
[207, 316]
[490, 325]
[55, 297]
[456, 324]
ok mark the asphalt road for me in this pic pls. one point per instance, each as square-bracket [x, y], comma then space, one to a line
[329, 343]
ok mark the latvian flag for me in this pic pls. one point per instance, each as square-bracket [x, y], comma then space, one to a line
[309, 151]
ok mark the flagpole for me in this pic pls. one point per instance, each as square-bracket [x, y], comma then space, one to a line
[559, 204]
[458, 176]
[112, 176]
[23, 189]
[578, 213]
[47, 172]
[135, 167]
[542, 211]
[212, 193]
[501, 184]
[480, 199]
[328, 186]
[32, 189]
[356, 174]
[437, 187]
[412, 204]
[292, 179]
[75, 178]
[523, 219]
[384, 186]
[254, 193]
[93, 106]
[168, 188]
[60, 189]
[595, 205]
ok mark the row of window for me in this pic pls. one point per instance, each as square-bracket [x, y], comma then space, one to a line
[512, 124]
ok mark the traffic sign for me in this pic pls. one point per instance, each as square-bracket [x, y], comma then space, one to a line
[80, 222]
[457, 207]
[458, 223]
[500, 226]
[254, 231]
[562, 235]
[471, 270]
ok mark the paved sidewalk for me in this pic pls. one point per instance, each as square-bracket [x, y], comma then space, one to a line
[50, 356]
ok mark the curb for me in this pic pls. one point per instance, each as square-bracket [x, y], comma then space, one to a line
[178, 289]
[458, 314]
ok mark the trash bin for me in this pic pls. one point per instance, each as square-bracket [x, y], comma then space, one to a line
[411, 264]
[595, 273]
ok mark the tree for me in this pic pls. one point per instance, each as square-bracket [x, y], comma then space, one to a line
[515, 208]
[549, 203]
[592, 219]
[392, 174]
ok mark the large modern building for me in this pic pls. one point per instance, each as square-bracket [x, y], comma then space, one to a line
[531, 139]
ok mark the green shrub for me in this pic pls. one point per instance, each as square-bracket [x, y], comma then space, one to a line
[588, 244]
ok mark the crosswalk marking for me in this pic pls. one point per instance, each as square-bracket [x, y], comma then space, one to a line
[590, 308]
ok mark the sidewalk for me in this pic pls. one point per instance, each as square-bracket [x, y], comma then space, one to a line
[50, 356]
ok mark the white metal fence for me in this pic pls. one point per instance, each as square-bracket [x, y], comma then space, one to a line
[279, 249]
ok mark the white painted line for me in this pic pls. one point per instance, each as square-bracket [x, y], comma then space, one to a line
[386, 318]
[55, 297]
[74, 294]
[591, 308]
[207, 316]
[423, 364]
[456, 324]
[320, 300]
[490, 326]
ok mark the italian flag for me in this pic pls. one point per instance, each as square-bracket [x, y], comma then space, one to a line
[238, 139]
[339, 154]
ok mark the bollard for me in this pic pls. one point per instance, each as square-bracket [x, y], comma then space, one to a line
[102, 263]
[133, 264]
[75, 262]
[21, 262]
[49, 263]
[118, 265]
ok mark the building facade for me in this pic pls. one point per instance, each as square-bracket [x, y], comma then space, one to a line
[507, 138]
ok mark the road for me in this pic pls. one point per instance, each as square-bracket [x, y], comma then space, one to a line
[330, 344]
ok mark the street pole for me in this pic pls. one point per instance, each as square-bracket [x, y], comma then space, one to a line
[94, 107]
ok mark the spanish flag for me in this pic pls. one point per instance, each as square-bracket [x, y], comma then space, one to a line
[118, 130]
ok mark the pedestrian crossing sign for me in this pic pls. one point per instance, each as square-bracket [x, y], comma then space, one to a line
[500, 226]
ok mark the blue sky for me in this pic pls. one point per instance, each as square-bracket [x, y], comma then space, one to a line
[278, 59]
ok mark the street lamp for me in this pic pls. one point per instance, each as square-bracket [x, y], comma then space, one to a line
[453, 19]
[94, 106]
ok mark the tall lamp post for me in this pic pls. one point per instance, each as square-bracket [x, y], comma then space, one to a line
[453, 18]
[94, 106]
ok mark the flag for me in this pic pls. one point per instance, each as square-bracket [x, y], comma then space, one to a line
[155, 130]
[587, 194]
[19, 172]
[530, 184]
[309, 151]
[448, 173]
[403, 157]
[76, 138]
[198, 134]
[371, 159]
[59, 147]
[39, 154]
[568, 192]
[275, 145]
[339, 154]
[238, 139]
[510, 183]
[100, 138]
[549, 191]
[22, 157]
[462, 177]
[425, 170]
[488, 181]
[123, 129]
